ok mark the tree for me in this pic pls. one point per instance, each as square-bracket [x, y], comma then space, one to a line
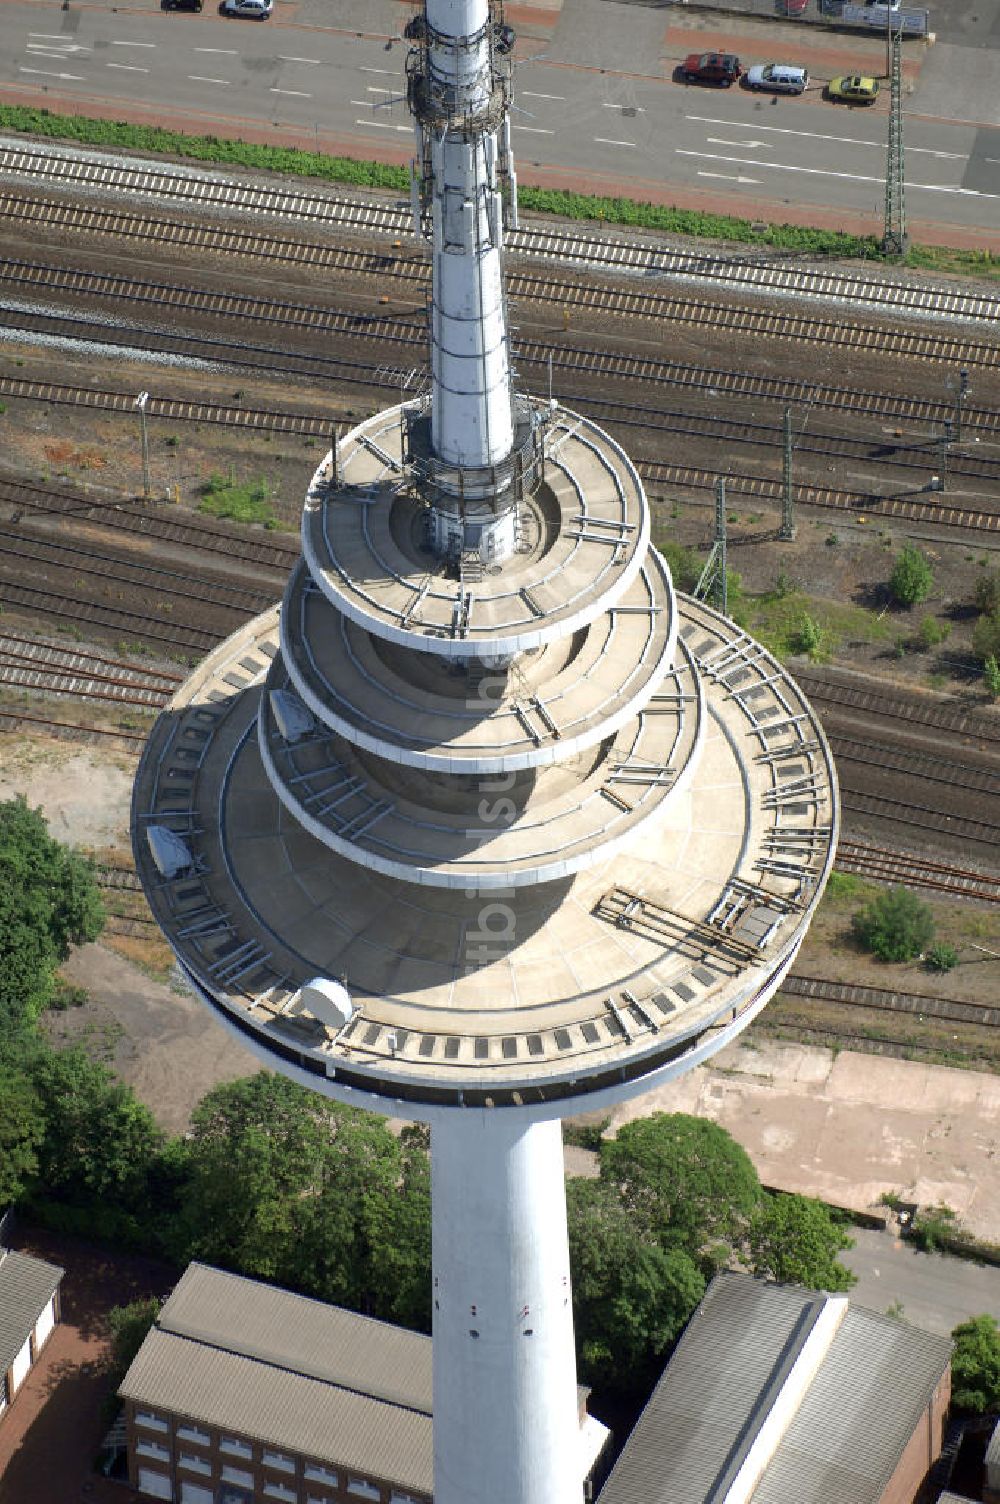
[912, 578]
[795, 1239]
[22, 1129]
[986, 637]
[48, 902]
[97, 1148]
[991, 676]
[686, 1183]
[975, 1366]
[631, 1298]
[987, 594]
[895, 925]
[288, 1186]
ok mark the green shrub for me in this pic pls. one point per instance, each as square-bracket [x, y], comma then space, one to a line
[243, 501]
[912, 578]
[895, 925]
[933, 632]
[991, 676]
[684, 564]
[933, 1228]
[975, 1366]
[987, 594]
[940, 957]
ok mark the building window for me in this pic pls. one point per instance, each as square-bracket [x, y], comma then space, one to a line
[397, 1498]
[362, 1489]
[237, 1475]
[316, 1473]
[280, 1491]
[235, 1447]
[280, 1461]
[188, 1432]
[145, 1448]
[318, 1499]
[150, 1421]
[194, 1464]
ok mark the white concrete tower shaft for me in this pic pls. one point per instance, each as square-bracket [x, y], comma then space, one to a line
[463, 141]
[506, 1426]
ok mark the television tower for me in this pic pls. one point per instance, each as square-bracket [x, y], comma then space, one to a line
[485, 825]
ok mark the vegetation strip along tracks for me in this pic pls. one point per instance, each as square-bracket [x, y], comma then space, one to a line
[759, 270]
[918, 1003]
[311, 317]
[915, 871]
[77, 731]
[145, 519]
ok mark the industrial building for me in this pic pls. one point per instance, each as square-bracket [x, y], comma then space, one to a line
[779, 1395]
[243, 1393]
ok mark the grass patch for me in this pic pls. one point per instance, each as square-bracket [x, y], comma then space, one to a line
[242, 501]
[777, 617]
[561, 202]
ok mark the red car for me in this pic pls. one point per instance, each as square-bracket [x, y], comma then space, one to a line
[711, 68]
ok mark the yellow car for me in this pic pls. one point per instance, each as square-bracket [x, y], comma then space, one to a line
[853, 88]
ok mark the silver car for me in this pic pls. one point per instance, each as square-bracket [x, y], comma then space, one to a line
[253, 10]
[783, 78]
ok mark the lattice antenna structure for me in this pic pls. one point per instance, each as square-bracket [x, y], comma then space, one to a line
[485, 825]
[786, 532]
[895, 240]
[713, 583]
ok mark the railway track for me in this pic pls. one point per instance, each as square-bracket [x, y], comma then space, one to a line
[947, 771]
[915, 871]
[12, 717]
[27, 498]
[827, 689]
[921, 817]
[920, 1005]
[409, 332]
[63, 607]
[33, 664]
[757, 270]
[587, 296]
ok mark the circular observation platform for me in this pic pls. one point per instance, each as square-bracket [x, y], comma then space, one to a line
[456, 717]
[560, 996]
[582, 537]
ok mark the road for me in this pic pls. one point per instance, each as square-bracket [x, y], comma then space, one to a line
[589, 107]
[929, 1290]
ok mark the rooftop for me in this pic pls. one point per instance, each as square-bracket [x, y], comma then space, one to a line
[876, 1378]
[27, 1285]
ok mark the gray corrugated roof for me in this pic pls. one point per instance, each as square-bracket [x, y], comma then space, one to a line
[283, 1409]
[306, 1336]
[858, 1414]
[698, 1411]
[26, 1286]
[843, 1443]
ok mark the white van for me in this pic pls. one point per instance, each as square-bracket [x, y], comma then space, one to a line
[784, 78]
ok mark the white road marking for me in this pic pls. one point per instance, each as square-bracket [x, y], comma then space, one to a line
[50, 36]
[298, 93]
[782, 130]
[312, 62]
[528, 94]
[606, 141]
[378, 89]
[728, 176]
[386, 72]
[385, 125]
[221, 51]
[607, 104]
[823, 172]
[534, 130]
[76, 78]
[750, 145]
[133, 44]
[199, 78]
[127, 67]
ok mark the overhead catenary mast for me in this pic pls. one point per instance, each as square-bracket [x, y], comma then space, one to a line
[486, 826]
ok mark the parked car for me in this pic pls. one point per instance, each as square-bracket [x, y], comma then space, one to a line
[783, 78]
[791, 7]
[711, 68]
[853, 88]
[181, 4]
[253, 10]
